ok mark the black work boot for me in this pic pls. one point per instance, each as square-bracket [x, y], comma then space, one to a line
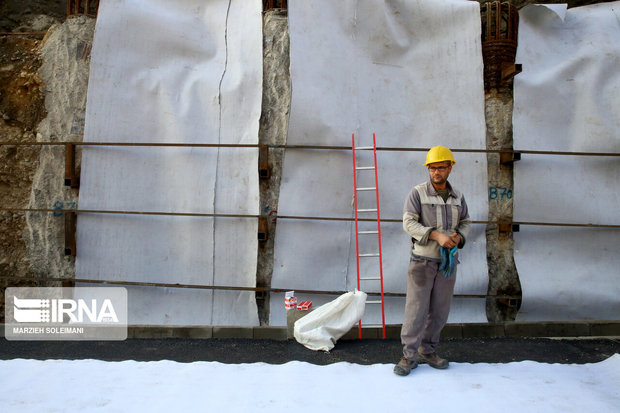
[405, 366]
[434, 360]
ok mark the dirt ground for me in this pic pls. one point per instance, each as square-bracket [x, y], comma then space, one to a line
[496, 350]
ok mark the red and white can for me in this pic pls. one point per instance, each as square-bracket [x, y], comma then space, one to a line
[290, 301]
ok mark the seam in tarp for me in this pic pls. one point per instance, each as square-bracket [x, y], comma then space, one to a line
[217, 161]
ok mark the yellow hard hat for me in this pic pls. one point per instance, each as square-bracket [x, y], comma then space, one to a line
[439, 154]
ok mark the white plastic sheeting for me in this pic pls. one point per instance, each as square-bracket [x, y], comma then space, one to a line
[411, 72]
[568, 99]
[174, 71]
[163, 386]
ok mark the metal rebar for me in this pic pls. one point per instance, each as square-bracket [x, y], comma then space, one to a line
[155, 144]
[225, 287]
[291, 217]
[82, 8]
[121, 212]
[274, 4]
[564, 224]
[308, 147]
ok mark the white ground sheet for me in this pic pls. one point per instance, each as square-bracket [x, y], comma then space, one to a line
[568, 99]
[411, 72]
[163, 386]
[174, 71]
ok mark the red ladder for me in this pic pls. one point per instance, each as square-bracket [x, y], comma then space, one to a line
[357, 189]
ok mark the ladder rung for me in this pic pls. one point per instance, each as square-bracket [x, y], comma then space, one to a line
[370, 188]
[364, 148]
[368, 255]
[367, 232]
[367, 210]
[373, 302]
[372, 325]
[365, 168]
[370, 278]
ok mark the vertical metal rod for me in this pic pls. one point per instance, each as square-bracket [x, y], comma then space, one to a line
[357, 248]
[264, 171]
[70, 226]
[263, 232]
[489, 23]
[498, 21]
[374, 148]
[69, 164]
[508, 24]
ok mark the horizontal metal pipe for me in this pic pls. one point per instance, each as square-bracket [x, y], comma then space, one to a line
[564, 224]
[555, 224]
[222, 287]
[154, 144]
[312, 147]
[218, 215]
[94, 211]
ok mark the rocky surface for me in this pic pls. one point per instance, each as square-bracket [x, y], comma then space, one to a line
[65, 53]
[21, 109]
[272, 131]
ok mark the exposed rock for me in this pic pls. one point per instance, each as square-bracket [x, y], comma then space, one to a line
[273, 130]
[64, 72]
[503, 275]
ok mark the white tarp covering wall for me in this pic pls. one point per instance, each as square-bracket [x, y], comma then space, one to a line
[568, 99]
[174, 71]
[411, 72]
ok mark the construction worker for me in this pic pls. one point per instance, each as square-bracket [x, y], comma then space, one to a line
[435, 216]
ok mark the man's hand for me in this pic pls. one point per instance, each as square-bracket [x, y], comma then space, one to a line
[446, 240]
[457, 238]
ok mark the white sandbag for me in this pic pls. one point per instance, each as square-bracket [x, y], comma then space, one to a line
[320, 329]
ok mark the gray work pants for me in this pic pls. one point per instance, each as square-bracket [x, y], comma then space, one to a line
[429, 295]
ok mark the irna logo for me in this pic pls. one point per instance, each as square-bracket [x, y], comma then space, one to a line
[29, 310]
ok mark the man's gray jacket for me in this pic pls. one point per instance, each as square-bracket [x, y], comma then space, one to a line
[425, 211]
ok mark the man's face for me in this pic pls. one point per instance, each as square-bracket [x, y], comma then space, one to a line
[439, 172]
